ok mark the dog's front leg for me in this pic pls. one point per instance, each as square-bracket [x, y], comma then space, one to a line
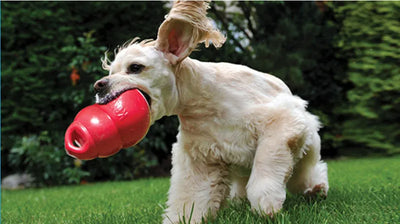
[197, 188]
[266, 189]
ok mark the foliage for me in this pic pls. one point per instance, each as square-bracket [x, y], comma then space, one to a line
[47, 163]
[50, 60]
[361, 190]
[370, 39]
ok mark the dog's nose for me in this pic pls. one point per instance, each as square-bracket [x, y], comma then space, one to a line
[101, 85]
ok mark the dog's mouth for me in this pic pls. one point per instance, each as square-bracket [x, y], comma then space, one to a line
[111, 96]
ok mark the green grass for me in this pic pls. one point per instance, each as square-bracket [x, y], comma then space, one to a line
[361, 191]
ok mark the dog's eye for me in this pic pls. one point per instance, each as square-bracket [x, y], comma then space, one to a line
[135, 68]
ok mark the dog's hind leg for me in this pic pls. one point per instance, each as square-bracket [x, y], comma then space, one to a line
[197, 188]
[282, 136]
[310, 175]
[266, 189]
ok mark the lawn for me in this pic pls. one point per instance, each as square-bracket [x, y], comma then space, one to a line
[361, 191]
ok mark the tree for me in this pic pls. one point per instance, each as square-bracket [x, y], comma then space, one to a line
[370, 40]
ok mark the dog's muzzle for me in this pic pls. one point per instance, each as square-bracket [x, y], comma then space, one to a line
[103, 96]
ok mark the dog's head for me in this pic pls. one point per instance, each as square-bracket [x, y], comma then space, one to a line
[151, 66]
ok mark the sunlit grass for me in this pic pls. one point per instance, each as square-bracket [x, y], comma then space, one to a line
[361, 191]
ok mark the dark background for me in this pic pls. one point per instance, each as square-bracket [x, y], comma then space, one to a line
[343, 57]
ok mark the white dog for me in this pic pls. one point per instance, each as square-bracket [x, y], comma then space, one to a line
[242, 133]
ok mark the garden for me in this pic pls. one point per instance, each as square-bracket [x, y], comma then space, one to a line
[343, 57]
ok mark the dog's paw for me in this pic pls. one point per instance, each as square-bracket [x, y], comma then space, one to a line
[268, 209]
[268, 205]
[318, 191]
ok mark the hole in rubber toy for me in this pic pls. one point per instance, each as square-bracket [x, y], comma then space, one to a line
[77, 144]
[77, 140]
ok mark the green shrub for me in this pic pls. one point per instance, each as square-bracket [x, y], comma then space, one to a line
[370, 40]
[44, 43]
[47, 163]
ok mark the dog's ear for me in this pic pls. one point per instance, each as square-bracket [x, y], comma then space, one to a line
[184, 27]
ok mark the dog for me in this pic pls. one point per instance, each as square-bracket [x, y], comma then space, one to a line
[242, 133]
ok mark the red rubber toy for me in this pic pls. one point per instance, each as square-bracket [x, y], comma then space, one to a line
[103, 130]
